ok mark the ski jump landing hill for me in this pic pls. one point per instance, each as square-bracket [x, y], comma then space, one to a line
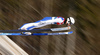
[8, 47]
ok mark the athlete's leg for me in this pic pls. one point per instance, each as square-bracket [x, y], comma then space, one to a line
[27, 26]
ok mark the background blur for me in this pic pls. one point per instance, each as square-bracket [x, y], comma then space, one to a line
[84, 40]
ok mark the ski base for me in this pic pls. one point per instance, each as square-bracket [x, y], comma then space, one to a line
[19, 34]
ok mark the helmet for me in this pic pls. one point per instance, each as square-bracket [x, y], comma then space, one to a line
[70, 21]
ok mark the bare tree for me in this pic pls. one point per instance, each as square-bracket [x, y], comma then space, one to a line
[46, 11]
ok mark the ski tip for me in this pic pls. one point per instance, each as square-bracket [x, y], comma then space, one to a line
[70, 32]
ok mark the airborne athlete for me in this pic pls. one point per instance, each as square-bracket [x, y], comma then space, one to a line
[47, 21]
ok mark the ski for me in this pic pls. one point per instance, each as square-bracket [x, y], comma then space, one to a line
[36, 30]
[19, 34]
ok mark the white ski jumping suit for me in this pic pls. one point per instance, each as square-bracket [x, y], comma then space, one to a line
[45, 21]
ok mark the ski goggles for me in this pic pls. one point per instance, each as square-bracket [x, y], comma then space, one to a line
[69, 22]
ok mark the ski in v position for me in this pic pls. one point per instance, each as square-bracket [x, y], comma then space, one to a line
[46, 21]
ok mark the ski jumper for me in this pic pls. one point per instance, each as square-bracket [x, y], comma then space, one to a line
[45, 21]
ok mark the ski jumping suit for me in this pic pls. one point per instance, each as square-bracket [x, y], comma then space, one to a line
[45, 21]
